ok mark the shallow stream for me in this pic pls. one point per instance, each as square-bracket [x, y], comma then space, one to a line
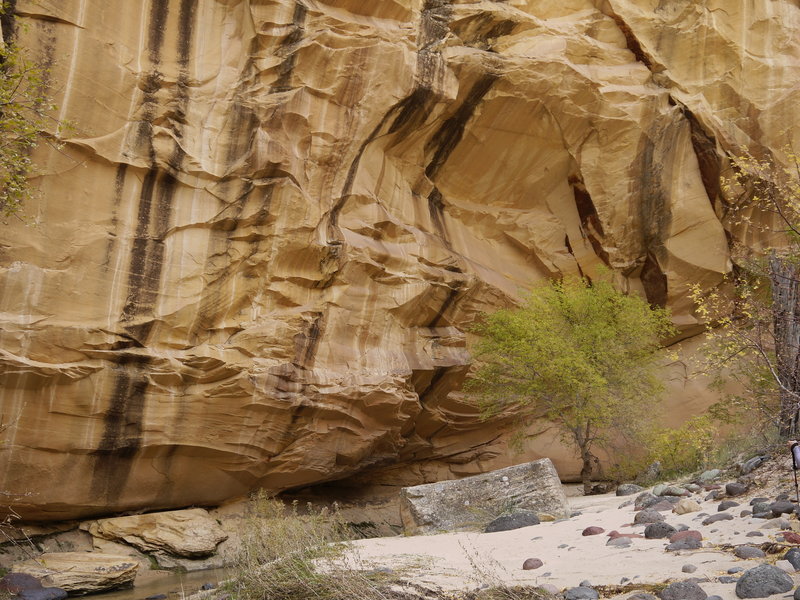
[174, 586]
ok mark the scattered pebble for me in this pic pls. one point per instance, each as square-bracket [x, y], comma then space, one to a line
[593, 530]
[747, 552]
[718, 517]
[531, 563]
[689, 568]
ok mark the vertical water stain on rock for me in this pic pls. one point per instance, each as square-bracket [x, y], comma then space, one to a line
[288, 50]
[122, 427]
[306, 343]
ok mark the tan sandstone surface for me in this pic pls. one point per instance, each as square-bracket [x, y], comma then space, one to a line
[254, 260]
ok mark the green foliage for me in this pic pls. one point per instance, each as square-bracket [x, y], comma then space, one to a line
[24, 114]
[580, 355]
[752, 317]
[686, 448]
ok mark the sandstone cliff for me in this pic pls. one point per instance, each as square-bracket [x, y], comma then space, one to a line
[254, 260]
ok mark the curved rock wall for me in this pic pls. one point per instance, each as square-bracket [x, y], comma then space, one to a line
[255, 258]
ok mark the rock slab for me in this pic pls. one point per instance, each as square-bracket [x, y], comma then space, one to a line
[81, 572]
[191, 533]
[472, 502]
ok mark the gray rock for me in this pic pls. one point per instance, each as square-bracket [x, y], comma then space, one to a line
[762, 507]
[685, 544]
[452, 505]
[796, 594]
[748, 552]
[715, 597]
[531, 563]
[627, 489]
[793, 556]
[726, 504]
[712, 495]
[581, 593]
[707, 476]
[751, 464]
[762, 581]
[648, 515]
[718, 517]
[782, 507]
[660, 530]
[644, 500]
[758, 499]
[673, 490]
[733, 570]
[641, 596]
[659, 489]
[727, 579]
[785, 565]
[585, 583]
[513, 521]
[683, 590]
[692, 487]
[735, 488]
[620, 542]
[27, 587]
[754, 534]
[689, 568]
[779, 523]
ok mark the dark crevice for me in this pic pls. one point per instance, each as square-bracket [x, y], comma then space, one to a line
[306, 343]
[8, 21]
[452, 295]
[568, 246]
[591, 226]
[654, 281]
[630, 40]
[436, 210]
[705, 149]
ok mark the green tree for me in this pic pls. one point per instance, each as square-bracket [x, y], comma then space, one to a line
[24, 114]
[580, 355]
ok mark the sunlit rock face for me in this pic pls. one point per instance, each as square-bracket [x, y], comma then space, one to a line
[255, 258]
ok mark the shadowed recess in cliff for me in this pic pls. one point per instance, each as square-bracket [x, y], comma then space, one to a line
[654, 212]
[7, 21]
[122, 427]
[591, 227]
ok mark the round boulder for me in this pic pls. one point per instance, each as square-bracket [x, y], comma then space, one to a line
[660, 530]
[748, 552]
[531, 563]
[581, 593]
[762, 581]
[683, 590]
[648, 516]
[626, 489]
[593, 530]
[735, 488]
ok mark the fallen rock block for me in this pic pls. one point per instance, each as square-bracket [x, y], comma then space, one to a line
[191, 533]
[471, 502]
[81, 572]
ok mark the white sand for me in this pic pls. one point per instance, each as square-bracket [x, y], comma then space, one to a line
[467, 560]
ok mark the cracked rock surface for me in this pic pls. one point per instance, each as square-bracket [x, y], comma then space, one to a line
[254, 260]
